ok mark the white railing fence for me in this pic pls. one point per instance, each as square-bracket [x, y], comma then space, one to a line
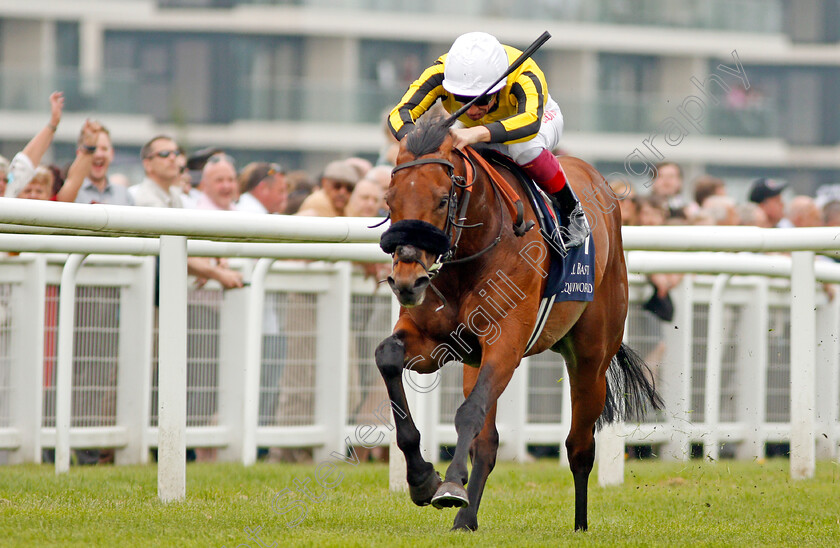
[287, 360]
[724, 374]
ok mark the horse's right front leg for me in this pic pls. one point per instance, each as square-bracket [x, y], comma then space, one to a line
[422, 478]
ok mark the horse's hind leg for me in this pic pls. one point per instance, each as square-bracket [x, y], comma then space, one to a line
[483, 457]
[422, 478]
[588, 394]
[587, 365]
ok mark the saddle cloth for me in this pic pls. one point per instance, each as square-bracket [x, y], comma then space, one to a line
[571, 274]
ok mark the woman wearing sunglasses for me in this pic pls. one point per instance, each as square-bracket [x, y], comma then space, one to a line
[517, 112]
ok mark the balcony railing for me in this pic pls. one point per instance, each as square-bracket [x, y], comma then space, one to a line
[610, 112]
[761, 16]
[116, 92]
[363, 102]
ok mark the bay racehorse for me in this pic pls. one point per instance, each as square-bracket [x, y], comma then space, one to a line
[452, 232]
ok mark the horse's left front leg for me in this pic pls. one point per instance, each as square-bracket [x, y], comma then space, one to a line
[493, 377]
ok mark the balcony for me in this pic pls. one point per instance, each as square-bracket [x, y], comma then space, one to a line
[112, 93]
[759, 16]
[630, 113]
[362, 102]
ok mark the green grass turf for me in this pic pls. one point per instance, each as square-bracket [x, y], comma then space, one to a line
[686, 504]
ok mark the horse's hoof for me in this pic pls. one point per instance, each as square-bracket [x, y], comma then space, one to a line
[422, 494]
[450, 495]
[464, 522]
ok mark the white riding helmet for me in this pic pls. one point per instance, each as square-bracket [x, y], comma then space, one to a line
[475, 61]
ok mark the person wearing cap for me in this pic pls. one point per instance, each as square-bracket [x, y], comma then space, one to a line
[337, 183]
[264, 189]
[198, 159]
[188, 181]
[191, 168]
[517, 112]
[767, 193]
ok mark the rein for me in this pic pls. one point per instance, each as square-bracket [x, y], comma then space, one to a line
[469, 167]
[444, 243]
[456, 218]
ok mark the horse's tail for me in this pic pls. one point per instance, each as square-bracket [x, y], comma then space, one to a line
[630, 388]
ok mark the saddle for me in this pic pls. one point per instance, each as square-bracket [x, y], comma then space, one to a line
[547, 215]
[571, 273]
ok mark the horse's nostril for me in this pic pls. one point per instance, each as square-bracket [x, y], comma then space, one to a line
[391, 281]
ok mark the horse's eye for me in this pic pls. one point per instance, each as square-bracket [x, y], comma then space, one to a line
[443, 202]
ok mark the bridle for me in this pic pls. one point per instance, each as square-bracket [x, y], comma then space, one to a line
[456, 218]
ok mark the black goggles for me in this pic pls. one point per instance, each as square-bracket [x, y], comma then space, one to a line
[482, 101]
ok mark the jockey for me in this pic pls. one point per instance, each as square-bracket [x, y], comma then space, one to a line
[517, 112]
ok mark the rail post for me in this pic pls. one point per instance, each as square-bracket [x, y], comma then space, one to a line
[172, 370]
[802, 366]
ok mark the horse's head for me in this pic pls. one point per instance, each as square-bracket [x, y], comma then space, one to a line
[418, 197]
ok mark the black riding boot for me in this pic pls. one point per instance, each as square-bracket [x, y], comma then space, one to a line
[573, 218]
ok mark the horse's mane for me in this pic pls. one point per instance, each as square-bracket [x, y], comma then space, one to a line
[427, 136]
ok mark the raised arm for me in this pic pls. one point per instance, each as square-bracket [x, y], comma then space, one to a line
[39, 144]
[81, 166]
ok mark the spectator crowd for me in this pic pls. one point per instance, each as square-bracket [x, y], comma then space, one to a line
[206, 179]
[210, 179]
[713, 204]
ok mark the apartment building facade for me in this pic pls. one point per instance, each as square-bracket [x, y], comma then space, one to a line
[738, 89]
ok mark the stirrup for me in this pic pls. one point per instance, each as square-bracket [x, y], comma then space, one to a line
[576, 227]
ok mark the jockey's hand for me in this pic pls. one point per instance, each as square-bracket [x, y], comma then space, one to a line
[464, 136]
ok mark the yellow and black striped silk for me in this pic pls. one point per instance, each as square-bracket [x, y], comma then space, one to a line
[516, 117]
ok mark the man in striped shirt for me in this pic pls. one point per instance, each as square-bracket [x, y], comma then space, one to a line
[517, 113]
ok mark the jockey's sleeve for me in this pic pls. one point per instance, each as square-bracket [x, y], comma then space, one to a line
[527, 96]
[421, 95]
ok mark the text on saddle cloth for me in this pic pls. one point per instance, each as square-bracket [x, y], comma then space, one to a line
[571, 274]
